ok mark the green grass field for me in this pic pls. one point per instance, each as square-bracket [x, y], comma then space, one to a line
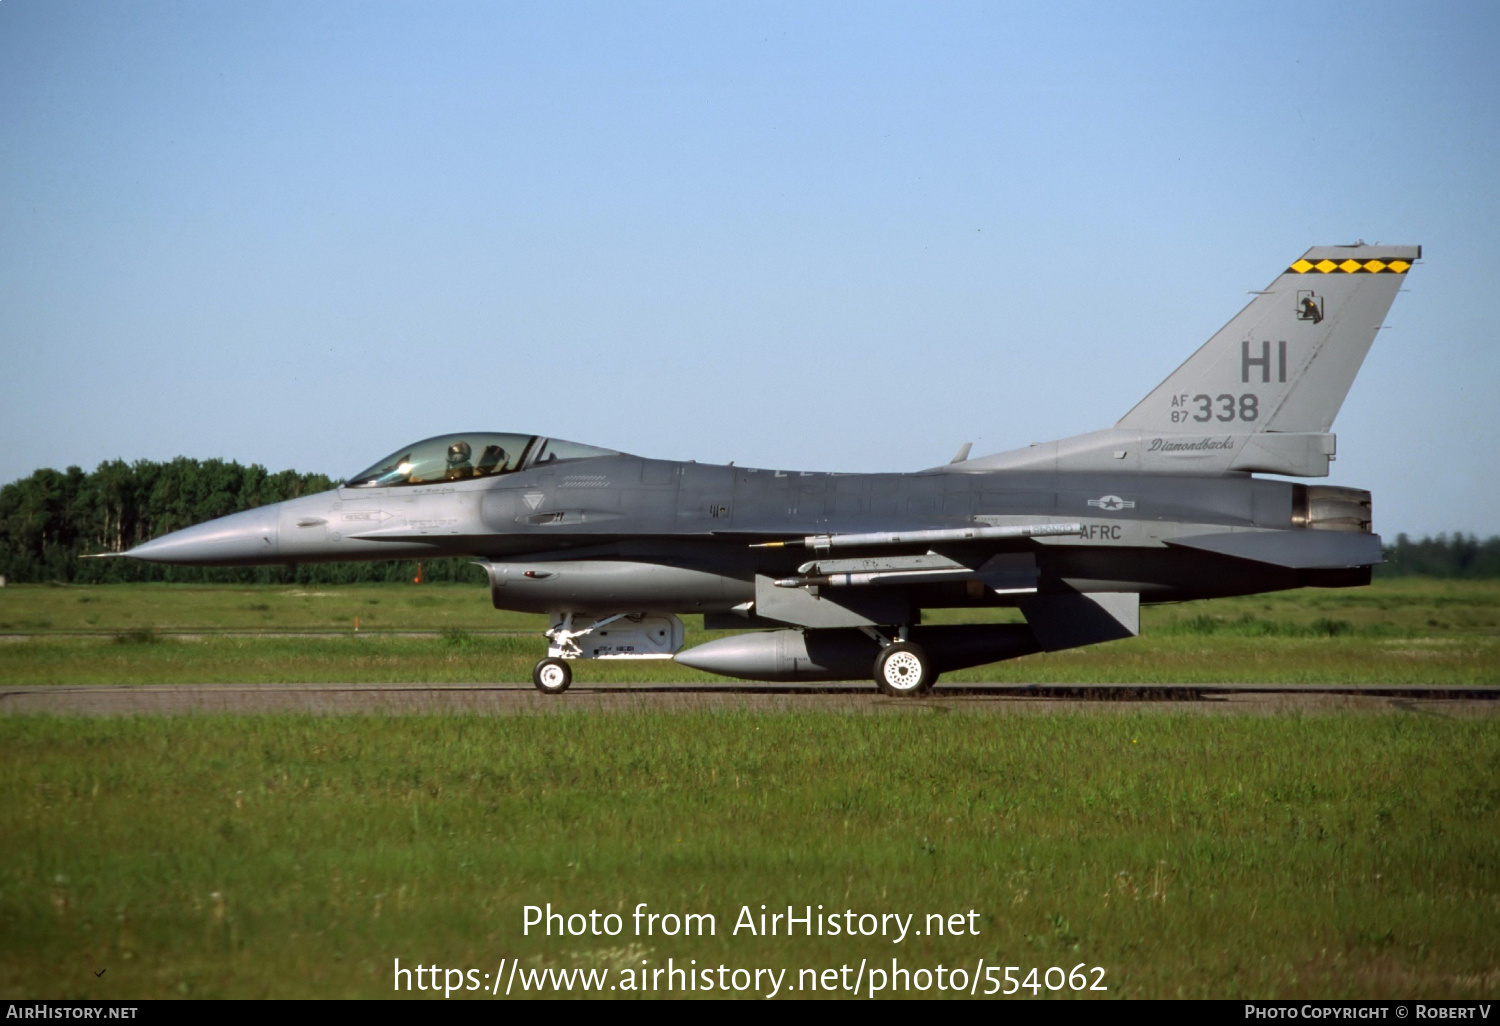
[110, 608]
[1404, 631]
[1354, 854]
[1290, 856]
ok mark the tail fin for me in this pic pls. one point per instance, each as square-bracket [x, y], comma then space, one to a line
[1286, 362]
[1261, 394]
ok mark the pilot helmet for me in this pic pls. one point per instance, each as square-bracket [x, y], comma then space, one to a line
[458, 453]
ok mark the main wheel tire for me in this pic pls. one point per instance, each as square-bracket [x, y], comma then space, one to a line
[552, 676]
[903, 669]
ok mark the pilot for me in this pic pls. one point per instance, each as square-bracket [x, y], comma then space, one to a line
[491, 461]
[458, 461]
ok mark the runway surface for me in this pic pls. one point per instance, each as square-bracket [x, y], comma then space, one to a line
[513, 699]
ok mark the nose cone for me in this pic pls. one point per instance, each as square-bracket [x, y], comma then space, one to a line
[240, 539]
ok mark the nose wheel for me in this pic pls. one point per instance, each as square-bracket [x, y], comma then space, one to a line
[552, 676]
[903, 669]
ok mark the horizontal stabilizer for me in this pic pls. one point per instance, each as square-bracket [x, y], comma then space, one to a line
[1298, 550]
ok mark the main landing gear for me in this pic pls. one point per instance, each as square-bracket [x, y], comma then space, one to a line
[902, 668]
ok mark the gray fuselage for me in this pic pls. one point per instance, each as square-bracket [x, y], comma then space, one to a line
[659, 534]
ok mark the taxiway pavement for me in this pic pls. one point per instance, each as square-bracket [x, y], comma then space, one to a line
[519, 699]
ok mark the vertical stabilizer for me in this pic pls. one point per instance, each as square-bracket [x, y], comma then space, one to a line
[1258, 397]
[1286, 362]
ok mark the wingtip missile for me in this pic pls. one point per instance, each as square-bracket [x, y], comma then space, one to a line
[980, 532]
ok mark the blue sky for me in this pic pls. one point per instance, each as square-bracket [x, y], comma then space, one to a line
[816, 236]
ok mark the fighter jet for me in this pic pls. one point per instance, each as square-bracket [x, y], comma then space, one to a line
[826, 575]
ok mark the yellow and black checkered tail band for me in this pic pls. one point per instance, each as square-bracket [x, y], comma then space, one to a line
[1350, 266]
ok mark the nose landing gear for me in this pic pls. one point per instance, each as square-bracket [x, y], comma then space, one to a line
[621, 636]
[552, 676]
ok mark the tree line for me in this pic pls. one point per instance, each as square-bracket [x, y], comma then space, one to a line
[1458, 555]
[48, 521]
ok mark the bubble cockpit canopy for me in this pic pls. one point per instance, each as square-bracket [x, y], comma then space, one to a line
[461, 457]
